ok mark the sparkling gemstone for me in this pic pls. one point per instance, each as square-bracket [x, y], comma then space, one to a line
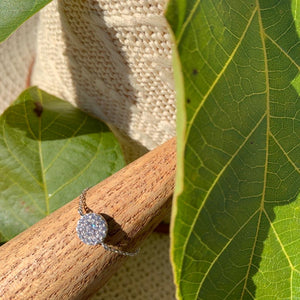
[92, 228]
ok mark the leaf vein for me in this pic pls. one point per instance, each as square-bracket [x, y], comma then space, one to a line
[214, 184]
[65, 145]
[220, 74]
[223, 249]
[188, 19]
[285, 153]
[82, 170]
[279, 241]
[16, 158]
[283, 51]
[39, 140]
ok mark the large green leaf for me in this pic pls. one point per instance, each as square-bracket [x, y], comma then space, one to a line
[14, 12]
[236, 219]
[49, 152]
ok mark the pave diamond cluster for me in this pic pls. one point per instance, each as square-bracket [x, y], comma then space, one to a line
[92, 229]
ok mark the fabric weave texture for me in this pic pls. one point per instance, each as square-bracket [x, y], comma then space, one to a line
[112, 59]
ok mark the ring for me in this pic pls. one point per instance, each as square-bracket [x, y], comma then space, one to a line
[92, 228]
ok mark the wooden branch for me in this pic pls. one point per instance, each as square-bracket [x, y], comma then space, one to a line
[48, 261]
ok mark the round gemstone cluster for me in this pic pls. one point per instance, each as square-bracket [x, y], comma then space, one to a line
[92, 229]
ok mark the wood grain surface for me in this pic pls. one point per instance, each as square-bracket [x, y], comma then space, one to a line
[48, 261]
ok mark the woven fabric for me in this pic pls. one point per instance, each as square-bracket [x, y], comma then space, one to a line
[16, 58]
[146, 276]
[112, 59]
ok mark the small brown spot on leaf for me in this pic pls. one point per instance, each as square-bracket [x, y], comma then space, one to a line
[195, 72]
[38, 108]
[188, 100]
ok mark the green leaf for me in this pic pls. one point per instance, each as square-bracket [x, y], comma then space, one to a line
[15, 12]
[49, 152]
[236, 222]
